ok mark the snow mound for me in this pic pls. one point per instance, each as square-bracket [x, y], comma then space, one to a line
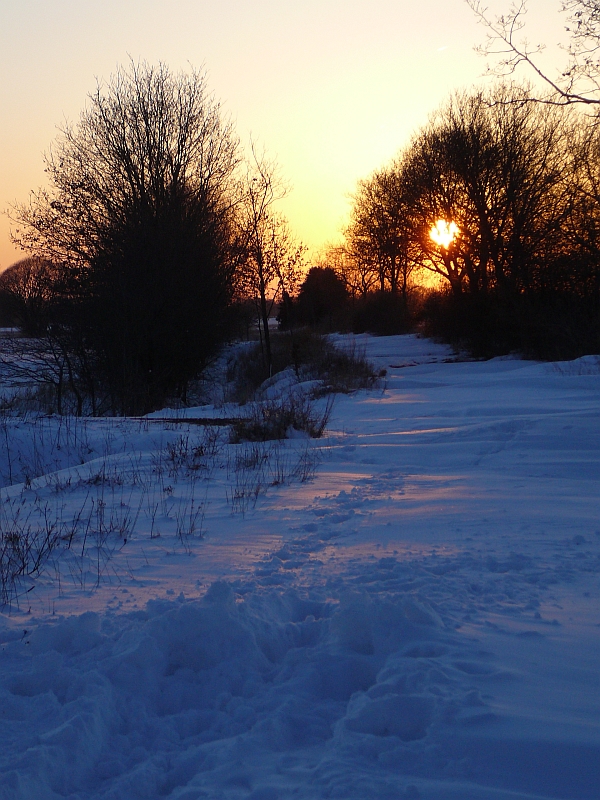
[145, 704]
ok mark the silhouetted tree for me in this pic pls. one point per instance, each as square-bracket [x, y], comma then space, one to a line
[497, 171]
[520, 181]
[578, 269]
[379, 235]
[322, 295]
[270, 258]
[139, 216]
[357, 273]
[578, 81]
[26, 294]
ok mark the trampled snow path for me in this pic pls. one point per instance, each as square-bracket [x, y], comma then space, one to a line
[421, 619]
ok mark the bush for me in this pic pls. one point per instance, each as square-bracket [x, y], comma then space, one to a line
[382, 313]
[312, 356]
[347, 369]
[322, 299]
[559, 326]
[546, 326]
[480, 324]
[276, 419]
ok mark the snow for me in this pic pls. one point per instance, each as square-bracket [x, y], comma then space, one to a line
[418, 619]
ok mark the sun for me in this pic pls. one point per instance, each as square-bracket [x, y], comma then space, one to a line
[444, 233]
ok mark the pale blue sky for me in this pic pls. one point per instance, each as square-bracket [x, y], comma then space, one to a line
[331, 88]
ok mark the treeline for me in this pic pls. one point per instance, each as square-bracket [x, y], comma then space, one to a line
[497, 198]
[156, 241]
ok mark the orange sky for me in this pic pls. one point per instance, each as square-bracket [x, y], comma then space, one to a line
[331, 88]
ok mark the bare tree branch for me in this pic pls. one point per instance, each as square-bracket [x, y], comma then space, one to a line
[578, 82]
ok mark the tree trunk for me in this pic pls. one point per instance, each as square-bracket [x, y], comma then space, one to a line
[264, 313]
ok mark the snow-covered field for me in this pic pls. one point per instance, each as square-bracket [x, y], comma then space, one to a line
[421, 619]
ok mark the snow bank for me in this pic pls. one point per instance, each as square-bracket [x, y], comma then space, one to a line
[420, 621]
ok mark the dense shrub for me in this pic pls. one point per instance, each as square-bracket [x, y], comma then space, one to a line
[278, 418]
[323, 299]
[548, 325]
[382, 313]
[311, 355]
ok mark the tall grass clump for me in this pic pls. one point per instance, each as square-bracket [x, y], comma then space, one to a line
[279, 418]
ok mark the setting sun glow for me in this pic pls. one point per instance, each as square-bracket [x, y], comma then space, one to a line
[444, 233]
[329, 90]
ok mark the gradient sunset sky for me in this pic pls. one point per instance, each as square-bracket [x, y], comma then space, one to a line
[332, 89]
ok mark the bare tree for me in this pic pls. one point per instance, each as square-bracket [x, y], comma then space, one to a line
[578, 81]
[579, 267]
[379, 232]
[434, 196]
[139, 216]
[357, 273]
[496, 170]
[270, 257]
[26, 294]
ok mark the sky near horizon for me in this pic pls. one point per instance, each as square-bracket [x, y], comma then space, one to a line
[332, 89]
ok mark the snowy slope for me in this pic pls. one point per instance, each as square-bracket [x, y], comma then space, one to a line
[419, 620]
